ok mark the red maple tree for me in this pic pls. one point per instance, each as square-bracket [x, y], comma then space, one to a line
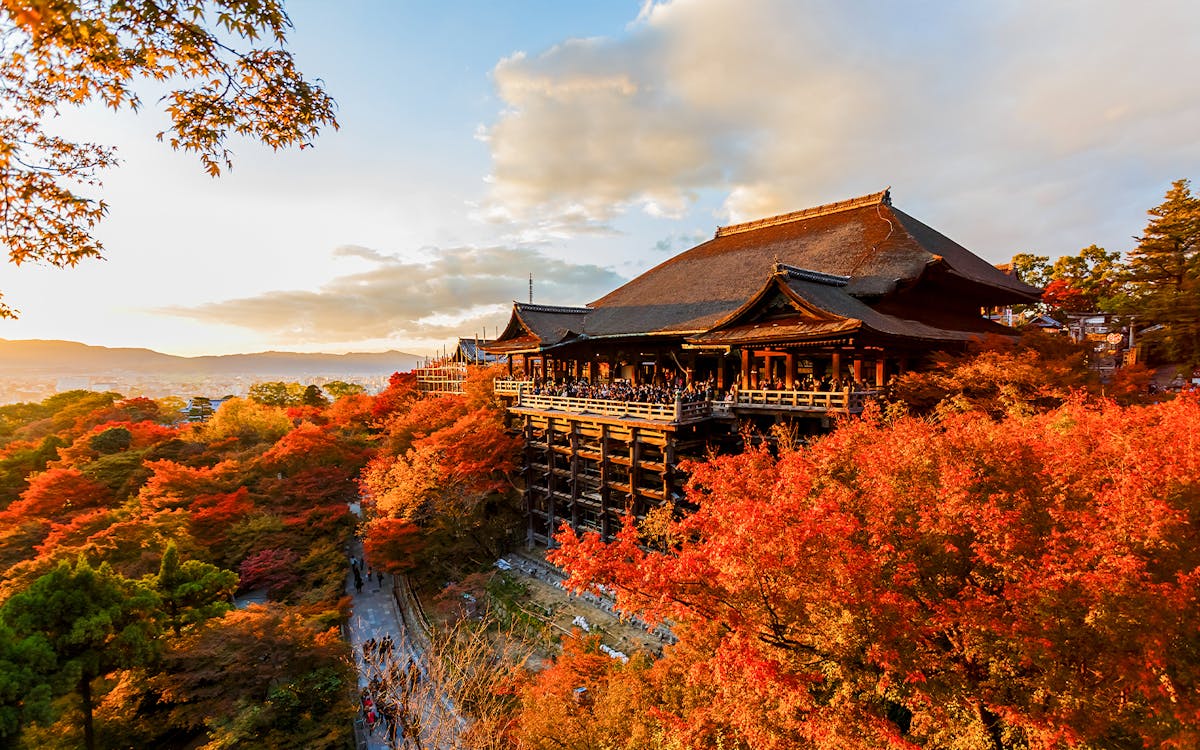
[969, 583]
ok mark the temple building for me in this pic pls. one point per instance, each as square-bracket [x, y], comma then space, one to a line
[447, 373]
[794, 318]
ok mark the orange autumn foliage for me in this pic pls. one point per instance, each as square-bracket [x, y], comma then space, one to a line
[393, 544]
[968, 584]
[422, 419]
[58, 494]
[309, 445]
[212, 515]
[1000, 377]
[586, 700]
[401, 392]
[349, 410]
[175, 485]
[86, 447]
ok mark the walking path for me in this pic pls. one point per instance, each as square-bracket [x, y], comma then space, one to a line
[374, 615]
[390, 659]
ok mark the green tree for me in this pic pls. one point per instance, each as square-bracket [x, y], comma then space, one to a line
[1164, 275]
[1032, 269]
[227, 58]
[277, 393]
[314, 397]
[25, 694]
[1095, 274]
[191, 591]
[200, 408]
[339, 388]
[112, 440]
[248, 421]
[93, 620]
[171, 408]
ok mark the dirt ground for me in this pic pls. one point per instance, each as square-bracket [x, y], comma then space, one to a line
[543, 596]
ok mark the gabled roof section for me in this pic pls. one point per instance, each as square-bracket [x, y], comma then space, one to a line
[823, 310]
[778, 298]
[532, 327]
[472, 350]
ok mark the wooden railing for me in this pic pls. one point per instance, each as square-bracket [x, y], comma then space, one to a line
[843, 400]
[676, 412]
[504, 387]
[442, 378]
[810, 401]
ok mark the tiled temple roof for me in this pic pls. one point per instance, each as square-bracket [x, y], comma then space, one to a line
[868, 250]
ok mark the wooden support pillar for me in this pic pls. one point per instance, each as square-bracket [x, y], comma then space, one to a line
[880, 371]
[525, 372]
[754, 371]
[858, 369]
[527, 473]
[577, 370]
[605, 478]
[789, 366]
[635, 470]
[548, 457]
[509, 357]
[720, 371]
[575, 482]
[836, 366]
[744, 382]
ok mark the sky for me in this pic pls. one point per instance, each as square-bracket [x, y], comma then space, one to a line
[585, 142]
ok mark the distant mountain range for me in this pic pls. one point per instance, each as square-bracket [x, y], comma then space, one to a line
[34, 356]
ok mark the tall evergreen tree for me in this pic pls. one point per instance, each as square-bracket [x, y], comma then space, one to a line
[314, 397]
[192, 591]
[1164, 274]
[25, 692]
[94, 620]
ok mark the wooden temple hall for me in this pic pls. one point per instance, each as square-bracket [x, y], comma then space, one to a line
[794, 317]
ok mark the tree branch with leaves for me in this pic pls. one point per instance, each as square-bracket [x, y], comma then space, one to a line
[232, 77]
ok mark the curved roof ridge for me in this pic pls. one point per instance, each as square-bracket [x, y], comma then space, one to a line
[883, 197]
[806, 274]
[575, 310]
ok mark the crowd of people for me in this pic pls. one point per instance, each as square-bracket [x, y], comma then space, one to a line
[670, 390]
[387, 699]
[625, 390]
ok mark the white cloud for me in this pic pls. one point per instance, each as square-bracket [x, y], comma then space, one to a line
[455, 291]
[1044, 111]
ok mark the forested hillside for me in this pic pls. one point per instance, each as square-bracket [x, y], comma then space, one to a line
[124, 538]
